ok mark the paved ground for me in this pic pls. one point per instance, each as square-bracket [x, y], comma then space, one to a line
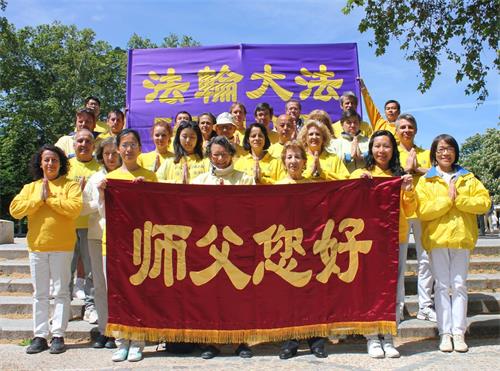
[484, 354]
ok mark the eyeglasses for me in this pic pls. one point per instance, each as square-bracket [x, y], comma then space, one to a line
[129, 145]
[442, 150]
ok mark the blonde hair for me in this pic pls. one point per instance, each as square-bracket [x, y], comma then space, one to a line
[323, 117]
[294, 145]
[162, 124]
[302, 137]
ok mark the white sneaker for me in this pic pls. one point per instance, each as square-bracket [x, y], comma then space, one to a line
[375, 349]
[93, 318]
[78, 289]
[86, 315]
[389, 349]
[134, 353]
[445, 345]
[427, 314]
[459, 344]
[120, 355]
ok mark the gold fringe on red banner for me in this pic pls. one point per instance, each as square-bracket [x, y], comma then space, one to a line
[252, 336]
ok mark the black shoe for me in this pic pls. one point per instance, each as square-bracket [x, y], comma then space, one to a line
[287, 353]
[37, 345]
[319, 352]
[100, 342]
[57, 345]
[210, 352]
[244, 351]
[110, 344]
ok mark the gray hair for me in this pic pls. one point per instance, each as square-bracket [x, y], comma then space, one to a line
[82, 130]
[349, 94]
[221, 141]
[408, 117]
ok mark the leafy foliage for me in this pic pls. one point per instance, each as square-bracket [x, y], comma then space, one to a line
[428, 30]
[171, 41]
[46, 72]
[481, 155]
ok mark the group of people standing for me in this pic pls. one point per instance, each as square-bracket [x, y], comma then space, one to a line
[66, 213]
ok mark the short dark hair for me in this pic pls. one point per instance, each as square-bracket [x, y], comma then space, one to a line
[117, 112]
[209, 114]
[293, 101]
[393, 101]
[448, 139]
[179, 151]
[92, 98]
[348, 114]
[185, 112]
[221, 141]
[394, 164]
[246, 141]
[263, 107]
[36, 161]
[86, 111]
[124, 132]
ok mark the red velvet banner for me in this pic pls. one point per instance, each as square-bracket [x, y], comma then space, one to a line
[230, 264]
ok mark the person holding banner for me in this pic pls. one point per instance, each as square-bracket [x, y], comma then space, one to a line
[294, 159]
[285, 127]
[162, 132]
[239, 112]
[321, 165]
[383, 161]
[416, 161]
[128, 143]
[352, 146]
[449, 199]
[188, 161]
[206, 122]
[258, 163]
[52, 203]
[107, 154]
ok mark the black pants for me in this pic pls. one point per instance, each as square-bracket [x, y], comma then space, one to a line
[315, 342]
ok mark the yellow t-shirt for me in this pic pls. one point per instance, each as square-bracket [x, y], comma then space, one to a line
[147, 160]
[407, 203]
[170, 172]
[78, 170]
[364, 127]
[332, 167]
[271, 168]
[288, 180]
[122, 174]
[275, 150]
[51, 224]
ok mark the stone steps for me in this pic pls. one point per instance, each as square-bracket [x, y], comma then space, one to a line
[24, 305]
[475, 282]
[476, 263]
[478, 325]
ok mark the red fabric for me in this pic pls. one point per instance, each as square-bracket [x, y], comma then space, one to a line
[273, 303]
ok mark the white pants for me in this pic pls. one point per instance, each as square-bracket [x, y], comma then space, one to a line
[449, 267]
[47, 266]
[400, 293]
[99, 280]
[425, 278]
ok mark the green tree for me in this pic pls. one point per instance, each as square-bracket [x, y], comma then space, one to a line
[171, 41]
[481, 155]
[429, 30]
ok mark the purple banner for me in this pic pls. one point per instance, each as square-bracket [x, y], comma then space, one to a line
[162, 82]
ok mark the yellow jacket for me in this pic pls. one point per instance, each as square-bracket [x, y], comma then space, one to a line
[77, 170]
[364, 127]
[170, 172]
[51, 224]
[270, 167]
[147, 160]
[376, 119]
[407, 200]
[446, 223]
[228, 176]
[275, 150]
[332, 167]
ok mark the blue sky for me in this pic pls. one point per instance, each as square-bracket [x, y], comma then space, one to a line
[443, 109]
